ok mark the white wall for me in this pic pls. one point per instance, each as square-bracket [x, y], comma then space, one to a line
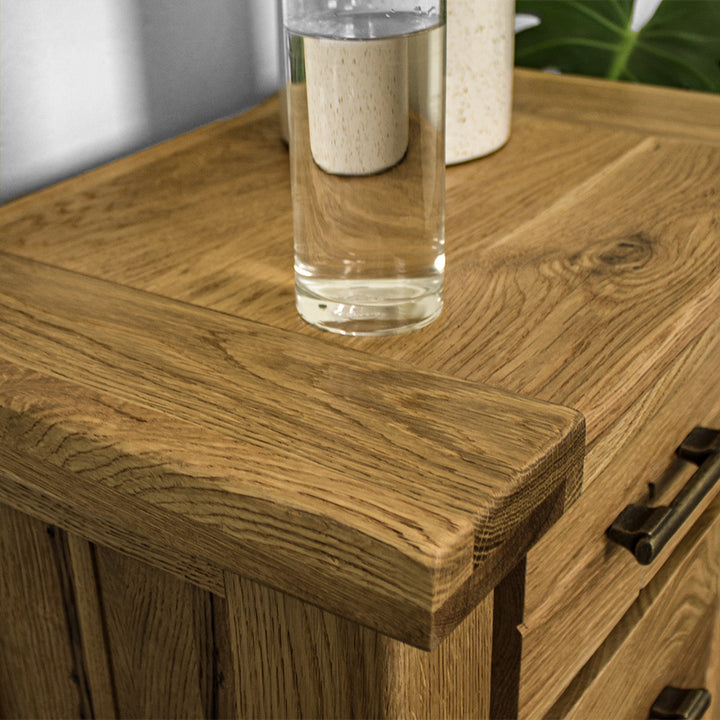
[83, 81]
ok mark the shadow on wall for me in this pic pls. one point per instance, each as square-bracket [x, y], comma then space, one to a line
[86, 81]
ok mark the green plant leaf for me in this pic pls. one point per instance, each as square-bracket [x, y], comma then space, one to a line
[679, 46]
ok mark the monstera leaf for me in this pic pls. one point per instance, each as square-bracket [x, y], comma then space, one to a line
[679, 46]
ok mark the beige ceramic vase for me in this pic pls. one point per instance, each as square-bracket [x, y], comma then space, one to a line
[480, 56]
[357, 104]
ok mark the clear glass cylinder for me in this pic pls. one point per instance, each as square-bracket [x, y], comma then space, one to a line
[366, 109]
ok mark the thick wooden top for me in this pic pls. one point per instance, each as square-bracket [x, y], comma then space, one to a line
[160, 393]
[364, 485]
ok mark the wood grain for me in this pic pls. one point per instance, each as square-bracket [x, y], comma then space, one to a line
[108, 519]
[712, 674]
[586, 302]
[91, 625]
[236, 256]
[295, 660]
[607, 301]
[161, 642]
[240, 248]
[39, 671]
[239, 429]
[634, 106]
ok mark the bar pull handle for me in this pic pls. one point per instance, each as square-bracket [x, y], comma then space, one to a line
[646, 530]
[675, 703]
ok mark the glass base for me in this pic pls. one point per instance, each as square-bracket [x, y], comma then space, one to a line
[370, 307]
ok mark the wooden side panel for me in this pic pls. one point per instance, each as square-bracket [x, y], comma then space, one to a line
[161, 639]
[87, 632]
[39, 673]
[293, 660]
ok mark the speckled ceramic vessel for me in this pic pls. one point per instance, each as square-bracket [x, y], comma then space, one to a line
[480, 48]
[357, 104]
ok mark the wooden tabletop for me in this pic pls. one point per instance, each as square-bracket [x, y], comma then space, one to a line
[160, 394]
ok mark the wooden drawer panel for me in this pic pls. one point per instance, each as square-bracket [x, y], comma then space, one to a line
[579, 584]
[670, 636]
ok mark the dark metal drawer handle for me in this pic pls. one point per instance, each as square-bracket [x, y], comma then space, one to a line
[646, 530]
[677, 704]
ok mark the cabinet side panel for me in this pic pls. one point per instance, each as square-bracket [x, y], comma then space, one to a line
[161, 641]
[293, 660]
[454, 680]
[39, 676]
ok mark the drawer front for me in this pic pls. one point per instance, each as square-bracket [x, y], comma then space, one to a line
[669, 637]
[579, 584]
